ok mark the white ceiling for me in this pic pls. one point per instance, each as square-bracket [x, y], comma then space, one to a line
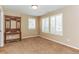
[26, 9]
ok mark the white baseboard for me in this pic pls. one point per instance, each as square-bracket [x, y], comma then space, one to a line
[60, 43]
[30, 36]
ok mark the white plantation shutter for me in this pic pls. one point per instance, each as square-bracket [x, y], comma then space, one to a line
[31, 23]
[59, 24]
[52, 24]
[45, 24]
[56, 24]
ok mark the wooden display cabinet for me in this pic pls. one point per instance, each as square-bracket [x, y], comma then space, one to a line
[12, 27]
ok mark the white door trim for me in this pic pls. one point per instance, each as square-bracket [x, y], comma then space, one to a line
[2, 27]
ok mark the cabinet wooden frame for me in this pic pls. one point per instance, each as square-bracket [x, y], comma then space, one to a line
[12, 31]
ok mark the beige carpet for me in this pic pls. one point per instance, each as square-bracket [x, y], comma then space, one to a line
[36, 45]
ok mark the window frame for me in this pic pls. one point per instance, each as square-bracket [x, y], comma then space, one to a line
[43, 29]
[29, 27]
[55, 32]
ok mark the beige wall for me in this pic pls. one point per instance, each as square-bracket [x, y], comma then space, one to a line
[70, 27]
[24, 24]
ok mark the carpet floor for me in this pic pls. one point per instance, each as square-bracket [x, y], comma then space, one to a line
[36, 45]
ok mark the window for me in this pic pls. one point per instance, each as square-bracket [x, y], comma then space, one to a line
[59, 25]
[31, 23]
[53, 24]
[45, 24]
[56, 24]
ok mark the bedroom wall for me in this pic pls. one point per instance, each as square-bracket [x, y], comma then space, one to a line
[70, 27]
[24, 24]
